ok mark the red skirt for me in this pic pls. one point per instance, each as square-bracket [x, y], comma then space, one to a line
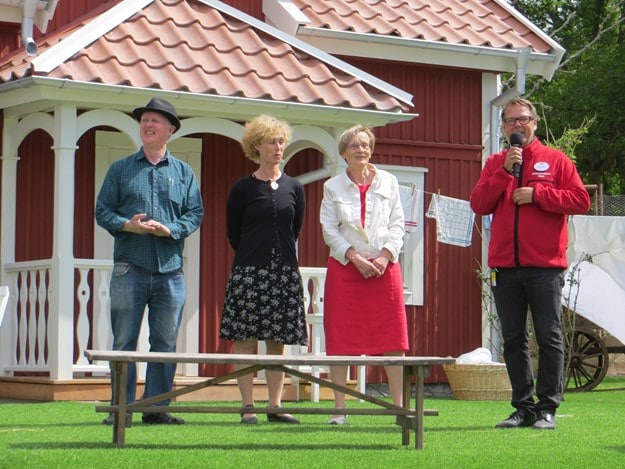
[364, 316]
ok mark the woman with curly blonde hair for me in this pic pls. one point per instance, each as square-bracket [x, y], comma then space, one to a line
[264, 294]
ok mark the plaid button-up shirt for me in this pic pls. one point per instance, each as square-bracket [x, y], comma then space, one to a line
[167, 192]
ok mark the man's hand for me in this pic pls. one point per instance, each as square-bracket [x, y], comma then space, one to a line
[159, 229]
[523, 195]
[513, 156]
[138, 226]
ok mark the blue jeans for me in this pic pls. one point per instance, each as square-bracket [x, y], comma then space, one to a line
[132, 289]
[540, 289]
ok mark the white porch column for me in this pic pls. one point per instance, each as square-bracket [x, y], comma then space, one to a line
[62, 291]
[7, 236]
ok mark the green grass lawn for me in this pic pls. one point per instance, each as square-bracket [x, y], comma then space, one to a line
[590, 433]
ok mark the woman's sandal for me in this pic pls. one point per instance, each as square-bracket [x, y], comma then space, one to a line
[337, 420]
[248, 420]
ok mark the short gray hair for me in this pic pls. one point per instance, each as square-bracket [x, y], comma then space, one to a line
[349, 135]
[520, 102]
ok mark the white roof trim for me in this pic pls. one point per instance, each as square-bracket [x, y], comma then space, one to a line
[84, 36]
[426, 52]
[417, 50]
[387, 88]
[49, 90]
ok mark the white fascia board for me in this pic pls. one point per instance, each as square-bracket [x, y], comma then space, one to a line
[288, 18]
[426, 52]
[319, 54]
[84, 36]
[10, 14]
[35, 93]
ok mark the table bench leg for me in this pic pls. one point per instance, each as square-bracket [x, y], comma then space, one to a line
[413, 422]
[419, 403]
[119, 398]
[405, 430]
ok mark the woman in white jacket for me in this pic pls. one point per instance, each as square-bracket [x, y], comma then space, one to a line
[363, 224]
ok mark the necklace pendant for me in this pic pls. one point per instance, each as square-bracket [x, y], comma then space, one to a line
[273, 185]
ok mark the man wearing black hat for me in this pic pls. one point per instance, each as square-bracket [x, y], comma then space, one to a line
[149, 202]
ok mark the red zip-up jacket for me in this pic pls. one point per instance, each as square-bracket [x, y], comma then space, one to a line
[536, 234]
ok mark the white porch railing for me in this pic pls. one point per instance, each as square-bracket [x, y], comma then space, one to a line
[314, 281]
[27, 347]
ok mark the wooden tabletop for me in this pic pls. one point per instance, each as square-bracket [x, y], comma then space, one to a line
[242, 359]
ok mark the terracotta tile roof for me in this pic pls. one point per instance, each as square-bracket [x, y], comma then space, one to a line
[470, 22]
[190, 46]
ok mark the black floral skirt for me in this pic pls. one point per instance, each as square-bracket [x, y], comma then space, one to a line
[265, 303]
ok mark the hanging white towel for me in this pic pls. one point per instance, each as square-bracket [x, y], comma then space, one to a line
[410, 203]
[454, 220]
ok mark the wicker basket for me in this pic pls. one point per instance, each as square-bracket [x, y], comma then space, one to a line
[479, 382]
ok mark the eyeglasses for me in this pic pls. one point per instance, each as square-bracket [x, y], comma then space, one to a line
[523, 120]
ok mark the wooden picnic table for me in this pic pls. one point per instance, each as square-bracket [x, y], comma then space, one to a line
[407, 416]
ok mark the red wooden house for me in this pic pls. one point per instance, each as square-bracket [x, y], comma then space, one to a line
[425, 74]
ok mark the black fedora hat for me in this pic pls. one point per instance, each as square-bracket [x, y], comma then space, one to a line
[161, 106]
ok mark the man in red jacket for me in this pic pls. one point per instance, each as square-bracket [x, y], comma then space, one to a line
[527, 257]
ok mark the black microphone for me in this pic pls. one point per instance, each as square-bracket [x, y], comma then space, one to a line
[516, 139]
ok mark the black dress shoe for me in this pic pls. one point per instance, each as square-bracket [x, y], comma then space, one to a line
[110, 420]
[281, 418]
[161, 418]
[517, 419]
[545, 421]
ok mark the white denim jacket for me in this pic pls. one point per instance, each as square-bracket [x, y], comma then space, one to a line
[384, 216]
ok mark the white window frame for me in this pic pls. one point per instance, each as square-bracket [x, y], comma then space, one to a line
[411, 258]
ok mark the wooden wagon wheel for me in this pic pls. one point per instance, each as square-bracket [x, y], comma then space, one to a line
[588, 363]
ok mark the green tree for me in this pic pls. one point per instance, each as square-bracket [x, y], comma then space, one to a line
[588, 91]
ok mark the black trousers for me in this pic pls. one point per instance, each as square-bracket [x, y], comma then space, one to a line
[540, 290]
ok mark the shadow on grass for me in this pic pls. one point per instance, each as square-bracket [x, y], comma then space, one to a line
[74, 446]
[264, 427]
[460, 429]
[596, 390]
[30, 425]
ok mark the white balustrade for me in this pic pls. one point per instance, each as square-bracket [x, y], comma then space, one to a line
[313, 279]
[23, 332]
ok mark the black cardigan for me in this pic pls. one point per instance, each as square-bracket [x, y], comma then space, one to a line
[256, 214]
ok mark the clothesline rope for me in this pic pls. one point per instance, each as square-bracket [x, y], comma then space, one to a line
[454, 217]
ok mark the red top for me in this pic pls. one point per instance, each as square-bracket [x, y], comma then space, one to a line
[363, 202]
[364, 316]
